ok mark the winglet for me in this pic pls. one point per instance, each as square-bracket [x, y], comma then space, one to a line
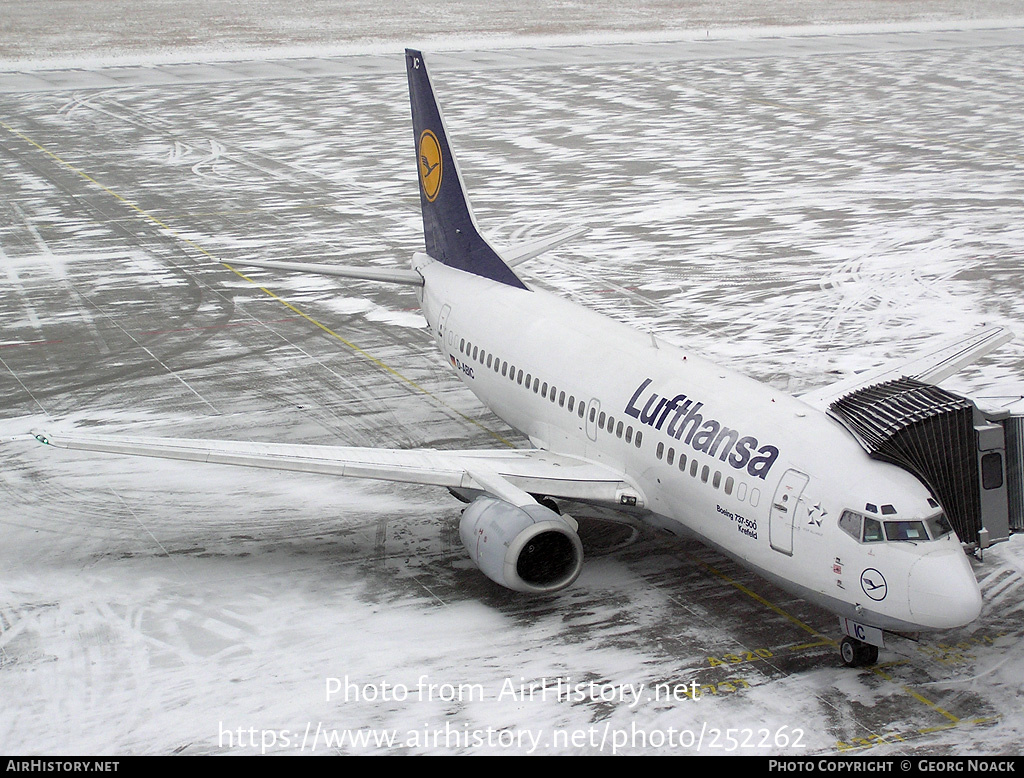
[449, 227]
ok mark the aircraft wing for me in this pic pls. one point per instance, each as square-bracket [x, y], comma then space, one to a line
[511, 474]
[932, 364]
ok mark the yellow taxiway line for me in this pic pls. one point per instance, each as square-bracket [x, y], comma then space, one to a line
[170, 230]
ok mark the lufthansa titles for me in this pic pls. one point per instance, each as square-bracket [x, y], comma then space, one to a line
[686, 423]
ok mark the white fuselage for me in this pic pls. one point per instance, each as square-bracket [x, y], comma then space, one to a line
[754, 472]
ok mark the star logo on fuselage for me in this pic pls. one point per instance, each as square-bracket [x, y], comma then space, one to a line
[815, 514]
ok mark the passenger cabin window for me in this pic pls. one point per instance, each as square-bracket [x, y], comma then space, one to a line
[639, 437]
[659, 450]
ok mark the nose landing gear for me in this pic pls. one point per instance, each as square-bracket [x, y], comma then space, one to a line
[857, 653]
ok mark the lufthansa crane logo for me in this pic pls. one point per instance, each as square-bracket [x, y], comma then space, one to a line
[873, 583]
[430, 165]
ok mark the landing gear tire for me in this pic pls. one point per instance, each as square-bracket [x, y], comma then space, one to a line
[856, 653]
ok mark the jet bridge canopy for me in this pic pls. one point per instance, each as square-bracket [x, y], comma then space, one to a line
[931, 433]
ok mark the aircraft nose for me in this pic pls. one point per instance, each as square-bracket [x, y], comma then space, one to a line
[943, 591]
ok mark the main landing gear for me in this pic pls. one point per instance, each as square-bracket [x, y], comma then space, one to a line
[857, 653]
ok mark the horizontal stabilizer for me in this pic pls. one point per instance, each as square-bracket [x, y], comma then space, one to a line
[521, 252]
[391, 276]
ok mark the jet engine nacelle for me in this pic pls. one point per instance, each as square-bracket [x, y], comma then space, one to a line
[526, 549]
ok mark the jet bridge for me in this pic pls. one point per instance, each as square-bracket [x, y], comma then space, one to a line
[1014, 426]
[972, 459]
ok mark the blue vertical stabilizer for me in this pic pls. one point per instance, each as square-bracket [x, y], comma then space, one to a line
[449, 229]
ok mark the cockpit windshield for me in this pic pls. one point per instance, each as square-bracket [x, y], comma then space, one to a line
[868, 530]
[905, 530]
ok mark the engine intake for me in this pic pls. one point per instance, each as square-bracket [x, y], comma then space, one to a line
[526, 549]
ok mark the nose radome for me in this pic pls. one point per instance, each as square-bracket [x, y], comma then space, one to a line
[943, 591]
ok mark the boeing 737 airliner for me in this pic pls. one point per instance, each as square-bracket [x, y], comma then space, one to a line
[620, 419]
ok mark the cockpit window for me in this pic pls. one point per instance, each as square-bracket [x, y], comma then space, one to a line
[872, 530]
[849, 523]
[869, 530]
[905, 530]
[939, 526]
